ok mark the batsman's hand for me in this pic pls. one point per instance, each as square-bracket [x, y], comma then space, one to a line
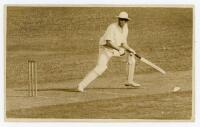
[132, 51]
[121, 51]
[128, 48]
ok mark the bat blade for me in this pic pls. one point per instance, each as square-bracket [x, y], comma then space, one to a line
[152, 65]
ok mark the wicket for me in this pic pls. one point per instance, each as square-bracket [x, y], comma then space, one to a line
[32, 78]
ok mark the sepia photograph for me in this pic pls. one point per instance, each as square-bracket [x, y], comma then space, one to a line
[99, 62]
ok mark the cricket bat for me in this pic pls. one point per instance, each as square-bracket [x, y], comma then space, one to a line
[150, 64]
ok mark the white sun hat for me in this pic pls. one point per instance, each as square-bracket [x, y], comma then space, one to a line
[123, 15]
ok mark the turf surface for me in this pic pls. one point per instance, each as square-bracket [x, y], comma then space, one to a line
[170, 106]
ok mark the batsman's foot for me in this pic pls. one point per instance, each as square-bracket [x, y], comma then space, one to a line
[133, 84]
[80, 89]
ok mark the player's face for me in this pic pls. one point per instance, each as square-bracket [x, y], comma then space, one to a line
[122, 22]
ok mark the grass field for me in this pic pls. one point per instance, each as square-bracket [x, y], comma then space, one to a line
[64, 42]
[156, 106]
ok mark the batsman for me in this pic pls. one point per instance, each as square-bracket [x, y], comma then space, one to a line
[113, 43]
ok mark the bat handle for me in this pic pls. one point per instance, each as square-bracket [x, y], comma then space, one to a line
[138, 56]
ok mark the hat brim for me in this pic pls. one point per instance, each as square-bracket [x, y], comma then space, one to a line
[123, 18]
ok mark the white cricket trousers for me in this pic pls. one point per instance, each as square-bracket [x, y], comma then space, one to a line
[103, 59]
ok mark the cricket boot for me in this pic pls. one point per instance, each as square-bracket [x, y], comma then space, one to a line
[132, 84]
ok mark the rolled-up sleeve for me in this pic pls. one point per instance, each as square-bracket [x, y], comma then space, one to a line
[109, 34]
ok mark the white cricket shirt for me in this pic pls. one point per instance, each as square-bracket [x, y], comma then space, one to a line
[115, 34]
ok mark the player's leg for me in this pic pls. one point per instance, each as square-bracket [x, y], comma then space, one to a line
[131, 70]
[98, 70]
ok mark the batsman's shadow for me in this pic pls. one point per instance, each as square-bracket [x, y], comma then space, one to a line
[102, 88]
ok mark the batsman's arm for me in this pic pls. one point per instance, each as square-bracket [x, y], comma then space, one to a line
[109, 44]
[128, 48]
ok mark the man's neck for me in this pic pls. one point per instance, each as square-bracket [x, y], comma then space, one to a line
[120, 26]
